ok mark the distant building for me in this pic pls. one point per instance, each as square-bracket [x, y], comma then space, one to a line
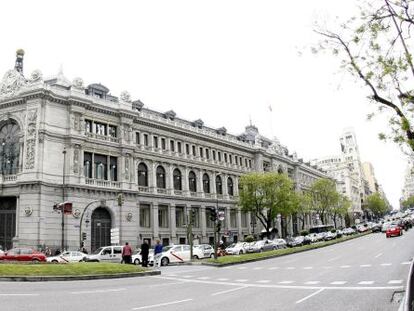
[408, 189]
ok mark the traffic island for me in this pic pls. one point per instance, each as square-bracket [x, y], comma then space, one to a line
[245, 258]
[70, 272]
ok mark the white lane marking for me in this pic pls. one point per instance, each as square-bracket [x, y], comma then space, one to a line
[406, 263]
[273, 268]
[241, 280]
[286, 282]
[386, 264]
[378, 255]
[258, 268]
[222, 279]
[365, 266]
[263, 281]
[366, 283]
[172, 274]
[338, 282]
[312, 282]
[345, 266]
[228, 291]
[290, 268]
[98, 291]
[335, 258]
[357, 288]
[204, 278]
[309, 296]
[162, 304]
[307, 268]
[187, 276]
[3, 295]
[395, 282]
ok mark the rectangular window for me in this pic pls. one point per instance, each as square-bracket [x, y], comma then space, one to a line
[179, 217]
[219, 156]
[243, 220]
[245, 162]
[207, 154]
[196, 218]
[146, 139]
[137, 138]
[230, 159]
[112, 131]
[87, 164]
[172, 145]
[250, 163]
[233, 218]
[88, 126]
[100, 166]
[214, 155]
[100, 129]
[201, 152]
[163, 146]
[187, 148]
[225, 157]
[209, 222]
[144, 216]
[163, 216]
[113, 168]
[194, 150]
[155, 142]
[179, 147]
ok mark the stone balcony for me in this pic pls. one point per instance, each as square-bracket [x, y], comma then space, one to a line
[103, 183]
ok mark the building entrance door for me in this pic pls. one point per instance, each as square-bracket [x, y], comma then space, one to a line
[101, 228]
[7, 222]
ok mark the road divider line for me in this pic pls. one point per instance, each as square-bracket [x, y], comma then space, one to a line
[162, 304]
[395, 282]
[366, 283]
[338, 282]
[309, 296]
[406, 263]
[228, 291]
[312, 282]
[4, 295]
[98, 291]
[386, 264]
[286, 282]
[378, 255]
[365, 266]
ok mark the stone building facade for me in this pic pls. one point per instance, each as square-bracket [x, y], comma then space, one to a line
[64, 141]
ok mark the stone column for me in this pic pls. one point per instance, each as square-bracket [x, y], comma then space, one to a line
[202, 220]
[227, 217]
[239, 224]
[236, 185]
[169, 179]
[184, 180]
[152, 177]
[200, 186]
[224, 185]
[173, 225]
[154, 220]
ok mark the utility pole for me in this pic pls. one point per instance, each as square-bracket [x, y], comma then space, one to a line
[62, 246]
[190, 232]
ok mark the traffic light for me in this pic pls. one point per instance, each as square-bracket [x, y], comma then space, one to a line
[213, 213]
[121, 199]
[83, 236]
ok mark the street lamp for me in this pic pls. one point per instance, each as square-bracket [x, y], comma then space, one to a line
[62, 246]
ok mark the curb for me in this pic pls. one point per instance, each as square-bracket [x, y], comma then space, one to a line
[76, 277]
[218, 265]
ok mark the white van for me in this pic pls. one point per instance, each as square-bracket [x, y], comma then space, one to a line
[106, 254]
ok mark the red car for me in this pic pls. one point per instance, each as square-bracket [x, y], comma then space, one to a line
[23, 254]
[393, 230]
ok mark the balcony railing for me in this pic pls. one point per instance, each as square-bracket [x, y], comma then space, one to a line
[178, 192]
[9, 178]
[162, 191]
[103, 137]
[103, 183]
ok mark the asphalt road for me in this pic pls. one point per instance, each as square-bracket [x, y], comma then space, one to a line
[367, 273]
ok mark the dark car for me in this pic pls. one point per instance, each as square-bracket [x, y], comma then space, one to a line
[23, 254]
[376, 228]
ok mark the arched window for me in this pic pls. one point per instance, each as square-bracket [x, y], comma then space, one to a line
[177, 179]
[192, 182]
[160, 177]
[142, 175]
[230, 189]
[219, 185]
[206, 183]
[9, 148]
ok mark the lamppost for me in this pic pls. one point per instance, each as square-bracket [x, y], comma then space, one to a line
[62, 246]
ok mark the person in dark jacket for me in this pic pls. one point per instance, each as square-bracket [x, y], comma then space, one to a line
[144, 253]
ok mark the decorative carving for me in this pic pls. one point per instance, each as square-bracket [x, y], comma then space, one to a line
[125, 96]
[12, 82]
[129, 217]
[36, 77]
[28, 211]
[31, 139]
[76, 213]
[127, 168]
[77, 83]
[76, 159]
[76, 121]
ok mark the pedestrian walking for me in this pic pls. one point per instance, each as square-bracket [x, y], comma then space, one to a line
[144, 253]
[126, 253]
[157, 254]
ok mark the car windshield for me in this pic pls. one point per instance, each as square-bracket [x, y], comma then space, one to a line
[96, 252]
[166, 248]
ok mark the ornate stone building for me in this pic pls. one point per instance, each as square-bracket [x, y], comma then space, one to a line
[64, 141]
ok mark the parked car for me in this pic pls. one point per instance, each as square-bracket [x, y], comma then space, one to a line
[23, 254]
[262, 246]
[313, 237]
[203, 251]
[68, 256]
[330, 236]
[106, 254]
[237, 248]
[394, 230]
[376, 228]
[296, 241]
[280, 243]
[175, 253]
[137, 258]
[385, 226]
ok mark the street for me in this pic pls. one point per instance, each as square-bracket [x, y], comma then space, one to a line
[367, 273]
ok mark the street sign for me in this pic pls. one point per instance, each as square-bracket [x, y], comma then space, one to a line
[115, 236]
[221, 215]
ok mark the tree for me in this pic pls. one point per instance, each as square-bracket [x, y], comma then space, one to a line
[304, 208]
[376, 204]
[408, 203]
[341, 208]
[266, 195]
[323, 197]
[375, 47]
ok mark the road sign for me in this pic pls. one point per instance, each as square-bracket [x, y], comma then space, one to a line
[115, 236]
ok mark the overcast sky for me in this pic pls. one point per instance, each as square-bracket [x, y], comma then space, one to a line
[222, 61]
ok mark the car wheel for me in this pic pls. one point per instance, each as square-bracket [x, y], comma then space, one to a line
[212, 255]
[195, 257]
[81, 260]
[261, 250]
[35, 260]
[136, 261]
[165, 261]
[53, 261]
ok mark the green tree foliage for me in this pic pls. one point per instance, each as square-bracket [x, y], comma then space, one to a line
[376, 204]
[408, 203]
[266, 195]
[340, 209]
[375, 47]
[323, 197]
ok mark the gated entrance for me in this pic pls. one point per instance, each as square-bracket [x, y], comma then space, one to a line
[101, 228]
[7, 221]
